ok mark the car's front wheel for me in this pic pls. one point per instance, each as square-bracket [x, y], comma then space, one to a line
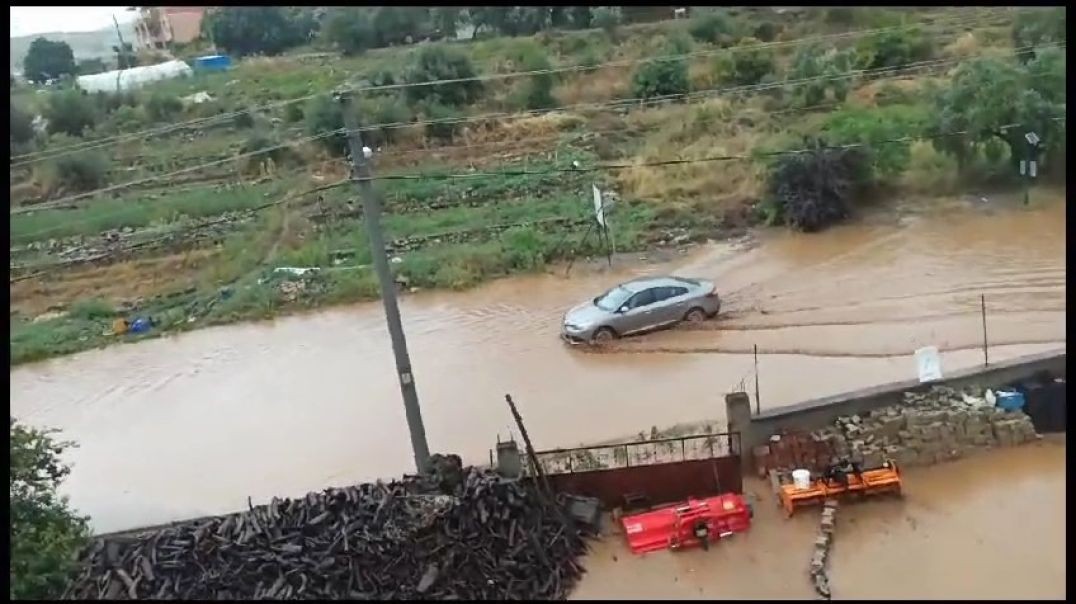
[604, 335]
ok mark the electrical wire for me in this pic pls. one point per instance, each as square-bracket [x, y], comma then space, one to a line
[580, 169]
[956, 20]
[622, 103]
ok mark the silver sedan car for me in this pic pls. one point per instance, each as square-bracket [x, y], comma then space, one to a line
[641, 305]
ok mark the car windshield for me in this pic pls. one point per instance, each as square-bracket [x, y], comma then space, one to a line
[612, 299]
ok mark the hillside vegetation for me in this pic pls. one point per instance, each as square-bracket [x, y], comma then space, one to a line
[748, 117]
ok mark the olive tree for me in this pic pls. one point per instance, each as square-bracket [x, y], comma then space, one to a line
[46, 535]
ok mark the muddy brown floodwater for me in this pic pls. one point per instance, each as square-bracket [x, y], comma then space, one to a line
[991, 526]
[194, 424]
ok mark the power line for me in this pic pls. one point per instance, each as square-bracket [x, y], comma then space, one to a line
[614, 104]
[117, 187]
[503, 173]
[643, 101]
[33, 157]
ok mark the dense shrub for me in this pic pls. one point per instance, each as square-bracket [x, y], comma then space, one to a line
[988, 93]
[22, 125]
[70, 112]
[814, 189]
[163, 107]
[895, 48]
[841, 15]
[77, 172]
[293, 113]
[767, 31]
[1036, 26]
[45, 533]
[607, 18]
[385, 112]
[323, 114]
[536, 91]
[818, 71]
[261, 147]
[713, 27]
[664, 77]
[244, 119]
[270, 30]
[435, 63]
[350, 29]
[879, 128]
[443, 122]
[748, 64]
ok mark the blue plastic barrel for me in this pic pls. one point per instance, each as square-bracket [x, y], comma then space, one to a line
[1010, 400]
[212, 63]
[140, 325]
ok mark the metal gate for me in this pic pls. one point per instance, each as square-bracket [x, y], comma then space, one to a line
[653, 471]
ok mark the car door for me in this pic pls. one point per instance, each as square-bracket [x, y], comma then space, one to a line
[673, 305]
[639, 314]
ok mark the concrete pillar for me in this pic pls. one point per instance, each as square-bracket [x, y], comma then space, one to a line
[509, 460]
[738, 412]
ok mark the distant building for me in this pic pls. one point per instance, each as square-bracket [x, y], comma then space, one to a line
[159, 26]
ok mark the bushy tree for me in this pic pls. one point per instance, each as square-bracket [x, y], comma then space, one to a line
[70, 112]
[270, 30]
[608, 18]
[536, 91]
[880, 129]
[446, 20]
[814, 189]
[1036, 26]
[816, 71]
[895, 48]
[163, 107]
[660, 78]
[22, 125]
[350, 29]
[78, 172]
[386, 112]
[46, 535]
[511, 20]
[442, 122]
[323, 115]
[987, 96]
[435, 63]
[748, 64]
[714, 27]
[47, 60]
[395, 25]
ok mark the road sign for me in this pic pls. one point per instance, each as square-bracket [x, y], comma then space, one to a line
[599, 209]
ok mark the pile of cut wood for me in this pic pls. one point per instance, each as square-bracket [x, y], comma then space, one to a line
[455, 534]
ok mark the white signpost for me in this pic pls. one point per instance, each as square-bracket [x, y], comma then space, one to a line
[599, 209]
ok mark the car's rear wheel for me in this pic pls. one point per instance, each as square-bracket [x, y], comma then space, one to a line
[604, 335]
[695, 315]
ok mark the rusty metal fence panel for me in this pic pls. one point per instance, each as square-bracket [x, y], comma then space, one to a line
[660, 471]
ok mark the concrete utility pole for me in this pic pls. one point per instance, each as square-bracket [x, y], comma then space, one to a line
[371, 209]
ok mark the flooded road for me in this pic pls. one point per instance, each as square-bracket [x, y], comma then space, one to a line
[988, 527]
[194, 424]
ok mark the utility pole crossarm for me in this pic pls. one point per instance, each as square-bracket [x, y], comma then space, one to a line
[371, 207]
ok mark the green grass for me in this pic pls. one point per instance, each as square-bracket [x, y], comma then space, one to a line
[137, 211]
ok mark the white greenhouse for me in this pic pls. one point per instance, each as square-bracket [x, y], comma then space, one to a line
[129, 79]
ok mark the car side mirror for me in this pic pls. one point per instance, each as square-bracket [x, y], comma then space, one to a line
[622, 309]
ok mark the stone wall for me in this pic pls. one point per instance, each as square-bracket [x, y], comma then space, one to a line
[939, 425]
[818, 413]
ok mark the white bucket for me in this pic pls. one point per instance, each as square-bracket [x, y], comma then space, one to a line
[801, 479]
